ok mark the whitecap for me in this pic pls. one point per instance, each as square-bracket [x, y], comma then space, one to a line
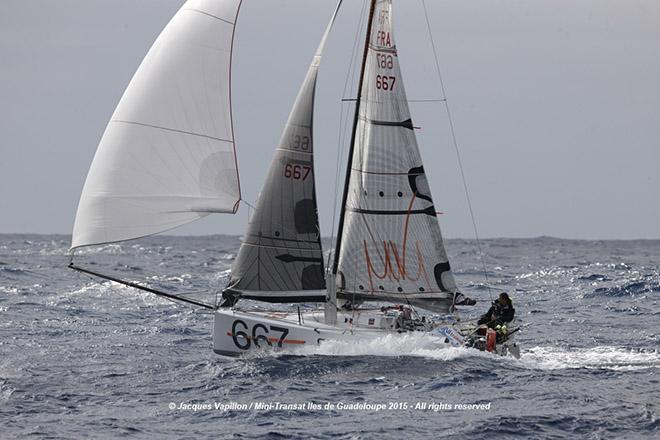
[601, 357]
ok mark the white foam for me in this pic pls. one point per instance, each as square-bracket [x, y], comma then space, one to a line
[538, 358]
[106, 288]
[601, 357]
[182, 278]
[112, 249]
[391, 345]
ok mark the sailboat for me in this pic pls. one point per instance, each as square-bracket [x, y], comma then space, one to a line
[175, 122]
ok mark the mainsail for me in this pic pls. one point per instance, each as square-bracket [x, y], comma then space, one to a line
[167, 155]
[390, 246]
[280, 259]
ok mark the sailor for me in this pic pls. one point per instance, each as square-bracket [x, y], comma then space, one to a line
[404, 317]
[500, 312]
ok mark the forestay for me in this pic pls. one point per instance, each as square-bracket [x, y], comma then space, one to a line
[280, 259]
[167, 155]
[391, 247]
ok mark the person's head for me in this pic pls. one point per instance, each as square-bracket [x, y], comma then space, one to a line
[504, 298]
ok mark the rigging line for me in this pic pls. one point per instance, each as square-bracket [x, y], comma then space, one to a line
[251, 209]
[250, 205]
[342, 125]
[351, 146]
[455, 143]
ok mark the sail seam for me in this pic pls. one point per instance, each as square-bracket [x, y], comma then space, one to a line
[428, 211]
[379, 173]
[264, 237]
[284, 299]
[305, 126]
[172, 129]
[391, 50]
[210, 15]
[293, 151]
[288, 258]
[280, 247]
[313, 292]
[436, 294]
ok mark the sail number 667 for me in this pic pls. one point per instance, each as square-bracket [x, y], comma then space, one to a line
[296, 172]
[384, 82]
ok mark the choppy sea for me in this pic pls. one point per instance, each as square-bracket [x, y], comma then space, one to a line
[83, 358]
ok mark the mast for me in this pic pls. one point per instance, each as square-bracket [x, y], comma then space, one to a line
[330, 314]
[349, 163]
[390, 246]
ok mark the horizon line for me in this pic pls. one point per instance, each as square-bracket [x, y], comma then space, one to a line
[537, 237]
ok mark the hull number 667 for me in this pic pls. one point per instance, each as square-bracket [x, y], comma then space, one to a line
[260, 335]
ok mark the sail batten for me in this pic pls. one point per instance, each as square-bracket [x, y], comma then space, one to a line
[167, 156]
[391, 247]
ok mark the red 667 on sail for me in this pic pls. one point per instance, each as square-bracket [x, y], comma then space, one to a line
[297, 172]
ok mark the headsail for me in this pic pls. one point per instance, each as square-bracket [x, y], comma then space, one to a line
[280, 259]
[167, 155]
[391, 248]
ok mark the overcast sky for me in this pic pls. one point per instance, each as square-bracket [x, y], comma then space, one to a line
[556, 106]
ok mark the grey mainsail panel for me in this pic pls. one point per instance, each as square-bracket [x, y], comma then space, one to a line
[281, 259]
[391, 248]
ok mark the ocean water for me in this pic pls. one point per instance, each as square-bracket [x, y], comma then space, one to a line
[83, 358]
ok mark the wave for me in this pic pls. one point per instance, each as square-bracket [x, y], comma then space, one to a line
[594, 277]
[106, 288]
[9, 271]
[550, 272]
[628, 289]
[602, 357]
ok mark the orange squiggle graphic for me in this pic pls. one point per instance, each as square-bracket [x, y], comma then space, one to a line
[390, 249]
[386, 270]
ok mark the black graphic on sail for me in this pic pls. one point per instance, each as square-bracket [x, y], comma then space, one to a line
[391, 247]
[280, 259]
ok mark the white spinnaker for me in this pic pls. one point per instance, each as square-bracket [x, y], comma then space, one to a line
[167, 155]
[391, 246]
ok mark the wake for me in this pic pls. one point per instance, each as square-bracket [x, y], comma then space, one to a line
[430, 347]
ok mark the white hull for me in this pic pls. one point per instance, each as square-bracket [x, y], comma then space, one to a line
[236, 332]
